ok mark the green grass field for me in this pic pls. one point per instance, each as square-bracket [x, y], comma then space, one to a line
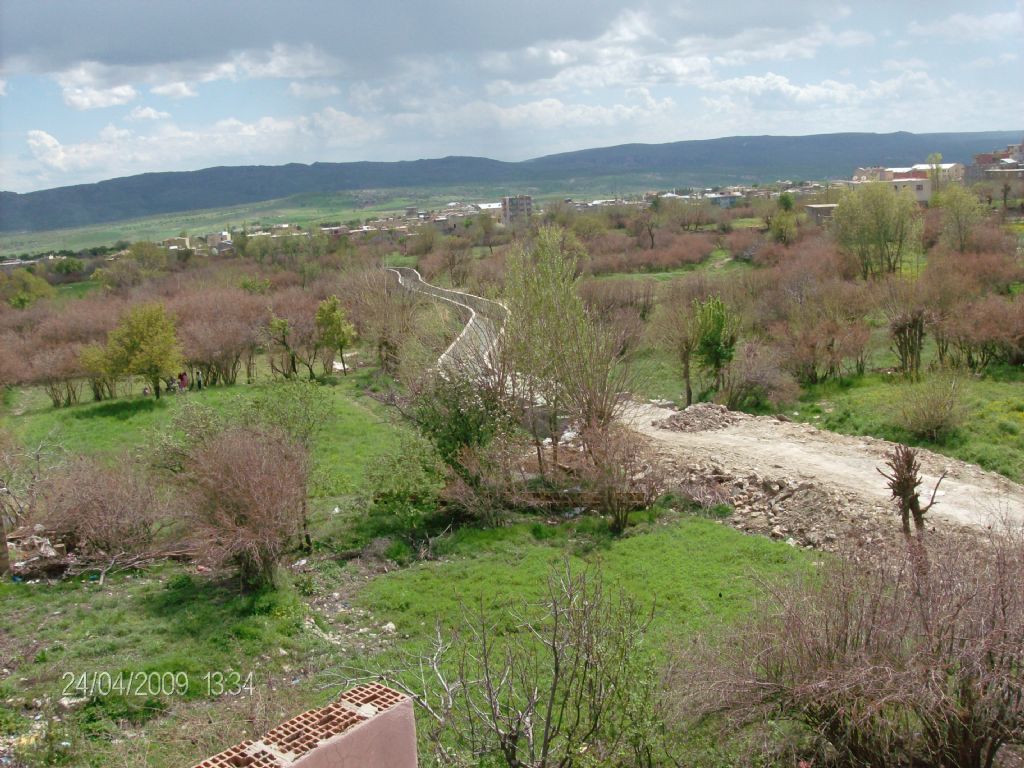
[173, 621]
[718, 262]
[169, 620]
[356, 434]
[691, 571]
[991, 436]
[309, 209]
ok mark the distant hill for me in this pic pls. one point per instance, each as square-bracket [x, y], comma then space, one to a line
[682, 163]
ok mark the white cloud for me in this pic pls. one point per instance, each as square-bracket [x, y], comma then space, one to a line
[84, 87]
[3, 87]
[634, 52]
[771, 84]
[772, 91]
[898, 65]
[964, 26]
[178, 90]
[777, 44]
[119, 151]
[312, 90]
[47, 149]
[281, 62]
[543, 114]
[147, 113]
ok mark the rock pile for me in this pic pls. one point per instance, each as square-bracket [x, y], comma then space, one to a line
[700, 417]
[802, 513]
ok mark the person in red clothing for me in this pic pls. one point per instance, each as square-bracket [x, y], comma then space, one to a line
[182, 381]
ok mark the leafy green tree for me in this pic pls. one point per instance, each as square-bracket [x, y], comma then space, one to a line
[240, 241]
[935, 170]
[145, 344]
[878, 226]
[123, 273]
[961, 214]
[149, 256]
[461, 418]
[101, 368]
[335, 330]
[484, 223]
[784, 227]
[717, 333]
[544, 311]
[786, 202]
[256, 286]
[69, 266]
[22, 288]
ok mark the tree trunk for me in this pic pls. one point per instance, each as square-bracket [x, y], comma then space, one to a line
[306, 537]
[5, 558]
[686, 378]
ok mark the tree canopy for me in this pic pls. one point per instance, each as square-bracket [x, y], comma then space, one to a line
[878, 226]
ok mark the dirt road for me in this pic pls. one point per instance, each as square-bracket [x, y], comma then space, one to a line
[780, 474]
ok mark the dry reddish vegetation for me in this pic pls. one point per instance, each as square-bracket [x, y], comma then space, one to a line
[913, 659]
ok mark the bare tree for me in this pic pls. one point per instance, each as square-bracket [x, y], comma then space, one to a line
[905, 305]
[21, 477]
[675, 324]
[903, 480]
[571, 685]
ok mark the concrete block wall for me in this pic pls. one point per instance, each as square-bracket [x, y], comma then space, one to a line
[370, 726]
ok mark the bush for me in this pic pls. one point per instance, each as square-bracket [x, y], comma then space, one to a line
[754, 379]
[406, 486]
[932, 409]
[621, 473]
[247, 492]
[100, 511]
[913, 658]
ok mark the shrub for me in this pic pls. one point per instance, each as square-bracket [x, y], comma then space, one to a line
[742, 243]
[247, 491]
[932, 409]
[903, 660]
[754, 379]
[100, 511]
[621, 472]
[606, 298]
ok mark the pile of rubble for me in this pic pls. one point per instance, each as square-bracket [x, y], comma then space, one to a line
[799, 512]
[700, 417]
[34, 555]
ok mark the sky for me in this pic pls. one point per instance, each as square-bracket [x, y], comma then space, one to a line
[96, 89]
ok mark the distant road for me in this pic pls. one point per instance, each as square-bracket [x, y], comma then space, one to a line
[473, 347]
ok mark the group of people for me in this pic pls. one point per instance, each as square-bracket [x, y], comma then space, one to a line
[180, 383]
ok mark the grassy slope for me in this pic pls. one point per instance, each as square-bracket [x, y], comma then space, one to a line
[991, 436]
[691, 571]
[163, 619]
[167, 619]
[304, 210]
[358, 432]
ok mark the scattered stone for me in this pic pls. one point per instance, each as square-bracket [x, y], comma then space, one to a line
[70, 703]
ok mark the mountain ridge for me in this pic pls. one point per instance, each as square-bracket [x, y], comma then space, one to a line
[749, 159]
